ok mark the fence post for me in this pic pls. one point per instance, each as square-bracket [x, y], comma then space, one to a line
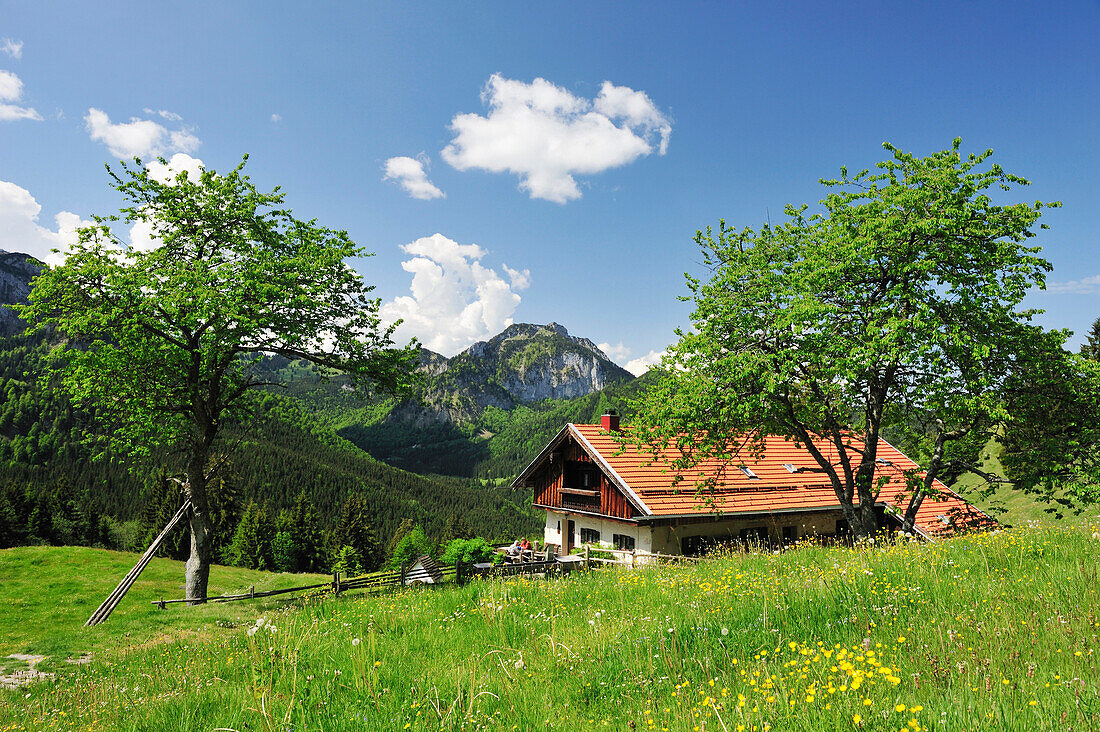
[632, 559]
[252, 592]
[459, 573]
[586, 560]
[336, 583]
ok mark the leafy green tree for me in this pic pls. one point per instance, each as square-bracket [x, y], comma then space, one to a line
[163, 342]
[902, 295]
[1052, 442]
[412, 545]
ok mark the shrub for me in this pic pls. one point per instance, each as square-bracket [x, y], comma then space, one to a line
[468, 551]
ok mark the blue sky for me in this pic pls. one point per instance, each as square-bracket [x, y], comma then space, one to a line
[755, 103]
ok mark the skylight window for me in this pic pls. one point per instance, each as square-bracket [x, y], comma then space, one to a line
[883, 461]
[748, 472]
[791, 468]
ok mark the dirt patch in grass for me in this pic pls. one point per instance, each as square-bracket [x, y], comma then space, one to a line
[19, 670]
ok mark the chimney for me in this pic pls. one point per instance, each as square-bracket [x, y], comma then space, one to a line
[610, 421]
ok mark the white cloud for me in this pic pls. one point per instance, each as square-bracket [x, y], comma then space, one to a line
[12, 48]
[1084, 286]
[455, 301]
[21, 232]
[546, 135]
[616, 353]
[176, 164]
[276, 118]
[412, 175]
[640, 365]
[11, 91]
[164, 113]
[521, 279]
[139, 137]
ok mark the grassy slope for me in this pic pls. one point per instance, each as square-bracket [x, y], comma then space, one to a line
[47, 593]
[993, 631]
[1006, 504]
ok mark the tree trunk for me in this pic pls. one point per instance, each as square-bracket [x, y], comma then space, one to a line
[197, 569]
[197, 572]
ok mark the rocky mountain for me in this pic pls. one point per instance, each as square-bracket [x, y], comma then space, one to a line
[526, 363]
[16, 272]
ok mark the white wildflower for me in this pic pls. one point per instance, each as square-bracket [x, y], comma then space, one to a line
[355, 641]
[725, 631]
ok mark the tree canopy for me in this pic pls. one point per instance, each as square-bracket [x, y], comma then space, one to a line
[162, 337]
[898, 301]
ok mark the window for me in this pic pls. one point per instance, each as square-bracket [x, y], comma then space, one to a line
[748, 472]
[581, 475]
[559, 527]
[790, 533]
[590, 536]
[623, 541]
[791, 468]
[842, 527]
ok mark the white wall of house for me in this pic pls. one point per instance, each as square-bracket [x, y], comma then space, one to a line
[552, 534]
[667, 539]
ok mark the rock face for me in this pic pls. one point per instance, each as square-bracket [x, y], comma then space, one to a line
[16, 272]
[524, 364]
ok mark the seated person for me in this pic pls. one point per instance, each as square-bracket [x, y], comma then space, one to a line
[513, 549]
[525, 545]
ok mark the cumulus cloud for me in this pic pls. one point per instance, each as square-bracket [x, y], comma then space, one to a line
[455, 301]
[21, 232]
[616, 353]
[12, 48]
[276, 118]
[546, 135]
[140, 137]
[412, 175]
[11, 91]
[640, 365]
[620, 354]
[176, 164]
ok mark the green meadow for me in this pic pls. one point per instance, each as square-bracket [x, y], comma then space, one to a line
[992, 631]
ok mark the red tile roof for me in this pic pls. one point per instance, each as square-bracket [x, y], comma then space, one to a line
[774, 488]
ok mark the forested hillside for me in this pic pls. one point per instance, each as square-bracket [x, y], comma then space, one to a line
[51, 490]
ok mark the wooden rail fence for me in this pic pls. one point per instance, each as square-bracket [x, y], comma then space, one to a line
[463, 573]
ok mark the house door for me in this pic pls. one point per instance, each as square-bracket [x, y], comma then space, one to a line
[567, 540]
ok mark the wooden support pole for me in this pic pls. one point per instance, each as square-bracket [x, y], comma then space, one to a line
[104, 610]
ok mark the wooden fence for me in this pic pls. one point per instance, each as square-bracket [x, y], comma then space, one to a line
[463, 573]
[383, 581]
